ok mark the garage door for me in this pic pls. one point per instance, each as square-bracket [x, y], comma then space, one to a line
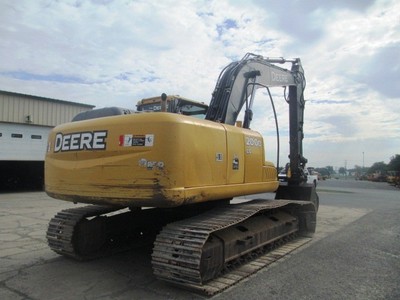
[23, 142]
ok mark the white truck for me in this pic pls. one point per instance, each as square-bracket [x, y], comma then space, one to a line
[312, 175]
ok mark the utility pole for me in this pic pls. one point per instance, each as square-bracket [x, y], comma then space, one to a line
[363, 163]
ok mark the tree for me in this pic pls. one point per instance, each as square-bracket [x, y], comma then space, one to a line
[378, 167]
[342, 170]
[358, 169]
[394, 164]
[330, 169]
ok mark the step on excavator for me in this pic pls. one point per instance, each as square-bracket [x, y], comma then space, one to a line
[167, 177]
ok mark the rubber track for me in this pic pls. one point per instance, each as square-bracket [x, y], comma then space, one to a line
[242, 272]
[60, 232]
[178, 248]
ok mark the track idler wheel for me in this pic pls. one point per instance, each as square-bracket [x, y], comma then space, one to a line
[90, 236]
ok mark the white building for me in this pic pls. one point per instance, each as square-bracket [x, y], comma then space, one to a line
[25, 122]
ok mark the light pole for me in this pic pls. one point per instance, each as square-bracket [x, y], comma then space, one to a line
[363, 162]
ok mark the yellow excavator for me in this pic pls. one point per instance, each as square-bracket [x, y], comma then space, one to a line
[167, 176]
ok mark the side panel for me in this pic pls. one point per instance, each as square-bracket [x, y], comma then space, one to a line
[254, 159]
[203, 152]
[235, 155]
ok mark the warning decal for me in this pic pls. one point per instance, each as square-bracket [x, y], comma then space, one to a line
[130, 140]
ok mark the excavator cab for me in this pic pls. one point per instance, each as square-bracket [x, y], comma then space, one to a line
[174, 104]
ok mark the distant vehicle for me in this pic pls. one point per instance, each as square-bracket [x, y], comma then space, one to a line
[377, 177]
[393, 178]
[312, 175]
[323, 173]
[362, 176]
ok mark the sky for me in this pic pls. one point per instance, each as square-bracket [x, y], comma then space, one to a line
[114, 53]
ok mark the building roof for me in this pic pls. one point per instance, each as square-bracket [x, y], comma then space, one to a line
[45, 99]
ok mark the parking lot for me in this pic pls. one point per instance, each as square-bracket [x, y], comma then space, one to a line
[355, 254]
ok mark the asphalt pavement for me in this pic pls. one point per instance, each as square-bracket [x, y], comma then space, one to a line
[355, 254]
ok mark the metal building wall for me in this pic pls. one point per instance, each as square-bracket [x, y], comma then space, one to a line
[25, 122]
[27, 109]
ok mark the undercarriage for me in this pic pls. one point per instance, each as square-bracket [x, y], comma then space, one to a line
[204, 248]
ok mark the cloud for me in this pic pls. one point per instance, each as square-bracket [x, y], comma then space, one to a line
[21, 75]
[304, 20]
[117, 52]
[341, 124]
[226, 26]
[382, 71]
